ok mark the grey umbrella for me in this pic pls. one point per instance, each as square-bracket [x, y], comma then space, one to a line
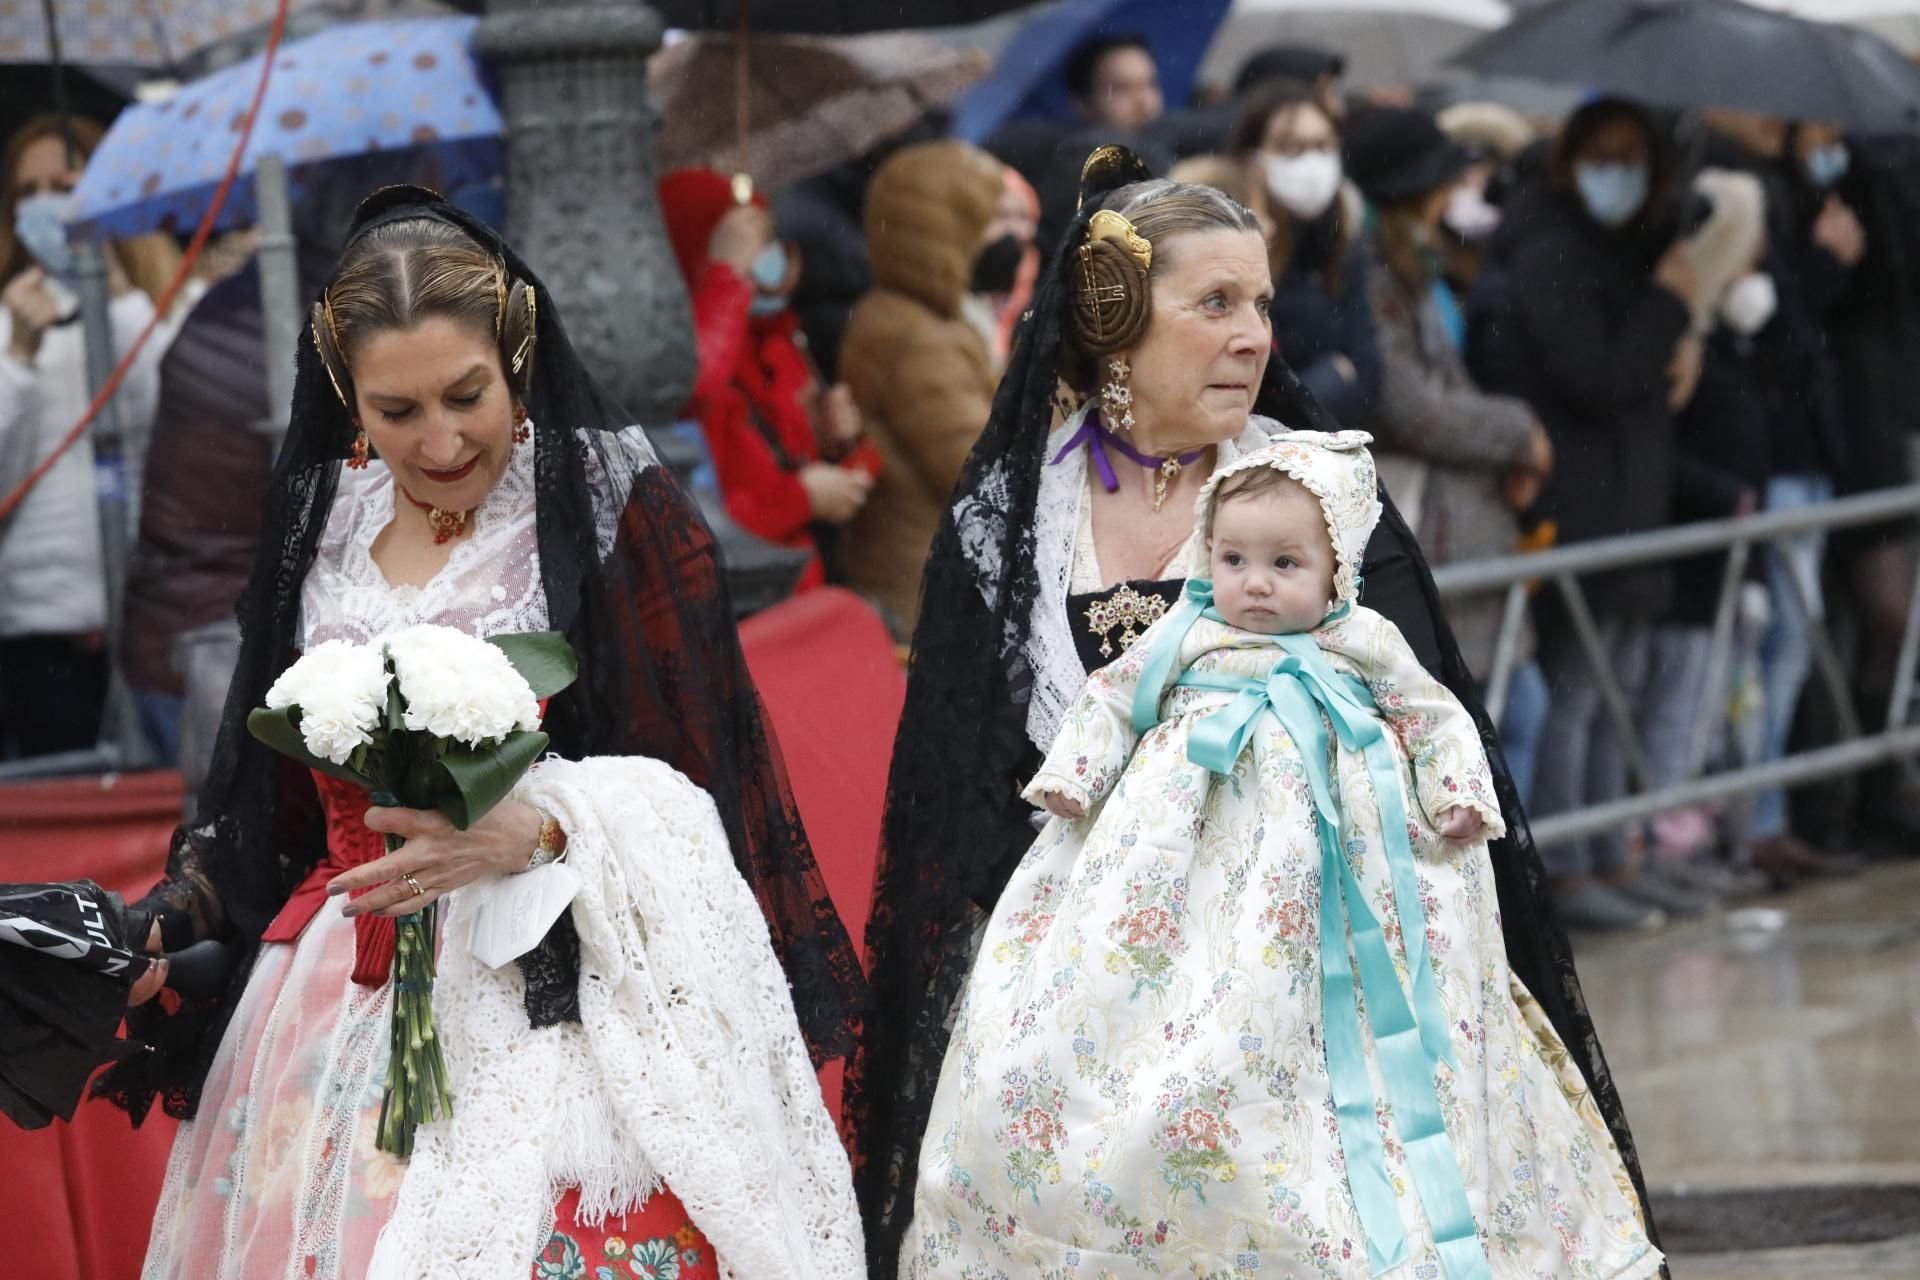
[1709, 53]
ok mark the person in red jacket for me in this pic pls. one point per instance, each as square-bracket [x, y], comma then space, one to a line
[788, 452]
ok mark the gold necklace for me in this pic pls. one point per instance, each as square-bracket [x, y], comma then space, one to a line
[446, 525]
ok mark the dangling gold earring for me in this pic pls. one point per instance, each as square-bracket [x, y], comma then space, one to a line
[521, 431]
[357, 459]
[1116, 398]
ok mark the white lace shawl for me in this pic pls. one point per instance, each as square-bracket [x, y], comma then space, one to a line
[1050, 651]
[687, 1066]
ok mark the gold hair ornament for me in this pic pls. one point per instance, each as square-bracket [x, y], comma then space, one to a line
[533, 324]
[326, 310]
[1108, 225]
[1111, 303]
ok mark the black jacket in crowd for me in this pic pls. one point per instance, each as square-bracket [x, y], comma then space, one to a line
[1809, 428]
[1873, 328]
[1722, 453]
[1313, 323]
[1567, 317]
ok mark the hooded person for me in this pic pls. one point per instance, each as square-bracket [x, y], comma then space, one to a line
[1164, 1001]
[1027, 585]
[788, 452]
[920, 371]
[648, 1057]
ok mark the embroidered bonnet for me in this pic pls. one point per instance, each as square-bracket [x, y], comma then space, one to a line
[1336, 468]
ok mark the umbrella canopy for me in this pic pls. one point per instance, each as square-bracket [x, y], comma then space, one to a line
[813, 102]
[1897, 21]
[1030, 82]
[828, 17]
[127, 33]
[65, 969]
[347, 91]
[1709, 53]
[1384, 41]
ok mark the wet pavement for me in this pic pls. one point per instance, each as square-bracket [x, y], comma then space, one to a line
[1769, 1049]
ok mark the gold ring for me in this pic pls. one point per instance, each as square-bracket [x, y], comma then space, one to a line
[413, 884]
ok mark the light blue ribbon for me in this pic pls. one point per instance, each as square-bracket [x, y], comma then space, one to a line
[1307, 695]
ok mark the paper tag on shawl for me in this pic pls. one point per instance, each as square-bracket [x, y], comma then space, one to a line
[512, 913]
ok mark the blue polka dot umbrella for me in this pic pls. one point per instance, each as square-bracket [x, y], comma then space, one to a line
[345, 92]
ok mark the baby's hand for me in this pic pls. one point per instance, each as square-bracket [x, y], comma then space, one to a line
[1061, 805]
[1461, 825]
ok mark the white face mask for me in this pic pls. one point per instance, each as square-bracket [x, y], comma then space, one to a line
[1468, 214]
[1305, 184]
[1750, 303]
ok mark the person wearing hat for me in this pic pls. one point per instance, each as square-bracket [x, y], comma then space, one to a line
[1319, 69]
[1462, 463]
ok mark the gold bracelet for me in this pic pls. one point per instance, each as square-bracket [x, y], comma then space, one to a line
[552, 845]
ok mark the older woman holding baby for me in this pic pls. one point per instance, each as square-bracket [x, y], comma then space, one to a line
[1063, 545]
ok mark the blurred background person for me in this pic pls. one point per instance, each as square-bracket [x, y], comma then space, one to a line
[1318, 70]
[53, 606]
[1322, 323]
[788, 452]
[1814, 243]
[1592, 313]
[1873, 331]
[1460, 462]
[1114, 82]
[820, 217]
[1005, 272]
[1495, 137]
[921, 374]
[1721, 464]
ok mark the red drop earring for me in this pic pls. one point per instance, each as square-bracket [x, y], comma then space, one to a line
[521, 431]
[357, 459]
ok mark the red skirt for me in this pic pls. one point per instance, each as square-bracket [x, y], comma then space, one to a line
[657, 1241]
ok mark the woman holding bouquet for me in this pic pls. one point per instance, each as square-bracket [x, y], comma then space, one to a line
[634, 1094]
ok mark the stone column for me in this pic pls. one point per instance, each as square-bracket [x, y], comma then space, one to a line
[583, 209]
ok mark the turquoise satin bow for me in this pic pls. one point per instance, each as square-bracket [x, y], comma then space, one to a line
[1309, 697]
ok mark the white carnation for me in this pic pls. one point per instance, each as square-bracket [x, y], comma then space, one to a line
[460, 687]
[341, 691]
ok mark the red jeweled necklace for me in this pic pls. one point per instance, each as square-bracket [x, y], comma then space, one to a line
[446, 525]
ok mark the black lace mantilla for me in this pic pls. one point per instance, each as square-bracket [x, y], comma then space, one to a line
[955, 826]
[662, 675]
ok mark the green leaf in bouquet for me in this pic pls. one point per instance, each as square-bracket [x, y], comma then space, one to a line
[281, 730]
[544, 659]
[471, 781]
[396, 716]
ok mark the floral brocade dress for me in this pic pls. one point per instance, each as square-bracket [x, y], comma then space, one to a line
[1138, 1083]
[278, 1177]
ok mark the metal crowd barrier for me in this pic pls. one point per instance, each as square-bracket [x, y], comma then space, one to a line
[1560, 569]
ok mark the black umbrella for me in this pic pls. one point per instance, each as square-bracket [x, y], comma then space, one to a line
[829, 17]
[65, 968]
[1709, 53]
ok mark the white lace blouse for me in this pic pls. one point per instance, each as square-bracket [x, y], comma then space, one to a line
[490, 585]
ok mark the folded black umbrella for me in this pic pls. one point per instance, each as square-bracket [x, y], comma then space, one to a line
[66, 964]
[1709, 53]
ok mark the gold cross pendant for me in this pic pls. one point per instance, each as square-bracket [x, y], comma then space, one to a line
[1169, 468]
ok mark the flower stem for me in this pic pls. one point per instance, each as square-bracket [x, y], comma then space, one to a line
[416, 1085]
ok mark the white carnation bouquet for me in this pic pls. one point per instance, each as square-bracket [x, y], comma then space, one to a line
[425, 718]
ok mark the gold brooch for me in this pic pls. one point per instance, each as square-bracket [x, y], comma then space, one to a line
[1126, 609]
